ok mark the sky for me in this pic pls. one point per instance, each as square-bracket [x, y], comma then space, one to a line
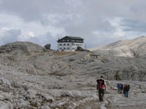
[99, 22]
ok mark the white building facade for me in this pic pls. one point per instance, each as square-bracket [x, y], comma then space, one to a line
[69, 43]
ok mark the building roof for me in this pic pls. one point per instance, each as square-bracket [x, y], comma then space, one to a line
[71, 37]
[74, 37]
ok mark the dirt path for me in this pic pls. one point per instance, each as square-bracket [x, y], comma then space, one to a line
[129, 107]
[90, 105]
[96, 105]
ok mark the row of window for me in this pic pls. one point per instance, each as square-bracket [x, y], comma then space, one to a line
[69, 44]
[78, 44]
[65, 40]
[63, 44]
[67, 48]
[72, 41]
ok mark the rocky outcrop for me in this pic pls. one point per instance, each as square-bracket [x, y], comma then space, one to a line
[48, 46]
[18, 47]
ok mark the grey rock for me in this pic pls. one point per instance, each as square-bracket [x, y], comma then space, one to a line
[32, 78]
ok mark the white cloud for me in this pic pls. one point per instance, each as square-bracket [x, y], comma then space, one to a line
[29, 31]
[118, 28]
[31, 34]
[44, 21]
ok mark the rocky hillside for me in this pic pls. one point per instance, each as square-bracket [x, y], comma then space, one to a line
[32, 77]
[122, 60]
[125, 59]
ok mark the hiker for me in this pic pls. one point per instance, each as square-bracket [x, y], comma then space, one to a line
[120, 87]
[126, 90]
[101, 88]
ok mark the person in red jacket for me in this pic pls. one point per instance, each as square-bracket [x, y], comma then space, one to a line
[126, 90]
[101, 88]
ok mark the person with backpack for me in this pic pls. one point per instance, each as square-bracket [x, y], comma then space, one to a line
[101, 88]
[126, 90]
[120, 87]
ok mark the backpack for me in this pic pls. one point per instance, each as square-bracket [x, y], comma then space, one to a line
[126, 87]
[100, 84]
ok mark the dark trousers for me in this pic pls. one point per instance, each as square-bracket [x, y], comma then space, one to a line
[101, 94]
[126, 93]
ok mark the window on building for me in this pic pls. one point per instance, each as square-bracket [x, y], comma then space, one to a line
[64, 44]
[60, 44]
